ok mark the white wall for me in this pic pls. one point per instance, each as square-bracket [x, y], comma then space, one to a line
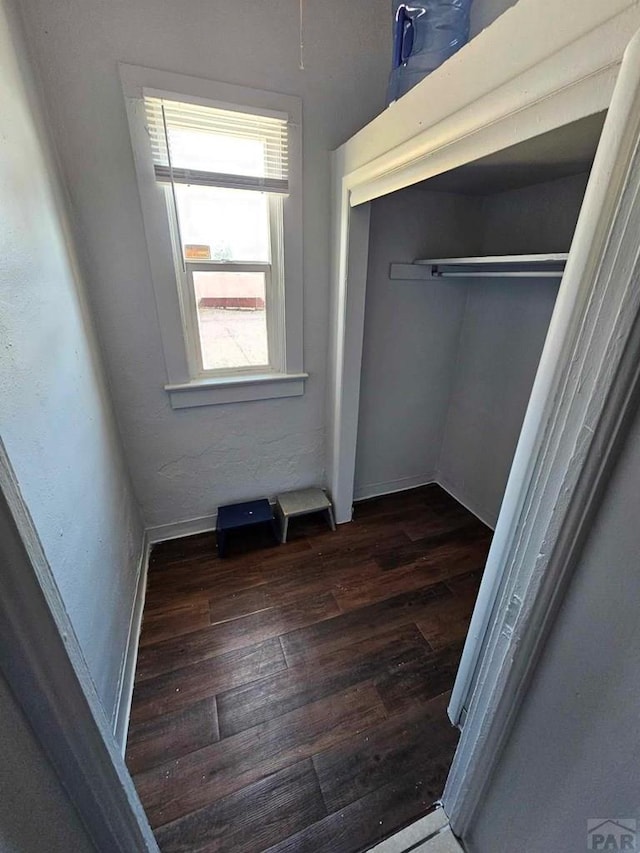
[55, 414]
[35, 811]
[448, 367]
[484, 13]
[539, 218]
[504, 329]
[411, 339]
[574, 752]
[185, 463]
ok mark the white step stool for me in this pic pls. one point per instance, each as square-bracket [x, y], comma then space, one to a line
[302, 502]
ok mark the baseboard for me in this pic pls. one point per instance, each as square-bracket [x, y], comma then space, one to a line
[190, 527]
[178, 529]
[377, 490]
[128, 671]
[204, 524]
[465, 502]
[414, 838]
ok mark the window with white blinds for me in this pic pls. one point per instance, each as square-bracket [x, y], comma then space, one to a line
[215, 147]
[219, 171]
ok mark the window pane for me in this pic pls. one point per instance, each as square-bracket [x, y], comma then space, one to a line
[223, 224]
[211, 152]
[232, 319]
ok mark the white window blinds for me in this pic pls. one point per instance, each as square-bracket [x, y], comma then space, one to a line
[210, 146]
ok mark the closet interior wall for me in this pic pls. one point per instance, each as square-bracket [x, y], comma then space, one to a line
[448, 366]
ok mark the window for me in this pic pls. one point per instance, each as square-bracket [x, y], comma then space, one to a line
[219, 180]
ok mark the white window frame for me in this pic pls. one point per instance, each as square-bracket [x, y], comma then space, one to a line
[188, 384]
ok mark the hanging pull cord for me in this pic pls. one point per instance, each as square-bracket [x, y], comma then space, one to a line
[301, 36]
[173, 189]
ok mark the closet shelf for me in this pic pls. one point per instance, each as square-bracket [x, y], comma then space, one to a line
[495, 266]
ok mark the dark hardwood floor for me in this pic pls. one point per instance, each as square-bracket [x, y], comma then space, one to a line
[293, 698]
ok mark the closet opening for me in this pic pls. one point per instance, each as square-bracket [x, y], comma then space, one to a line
[449, 360]
[464, 271]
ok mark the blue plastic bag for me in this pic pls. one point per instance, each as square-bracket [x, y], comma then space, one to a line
[425, 34]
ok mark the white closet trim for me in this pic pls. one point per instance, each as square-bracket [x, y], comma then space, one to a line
[586, 389]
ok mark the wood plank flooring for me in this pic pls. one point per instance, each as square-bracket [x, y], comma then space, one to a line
[293, 698]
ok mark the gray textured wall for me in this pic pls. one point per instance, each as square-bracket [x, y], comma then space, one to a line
[410, 339]
[35, 812]
[184, 464]
[539, 218]
[448, 367]
[484, 13]
[574, 752]
[55, 414]
[504, 329]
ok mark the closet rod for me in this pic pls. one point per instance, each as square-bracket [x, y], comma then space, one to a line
[497, 266]
[500, 274]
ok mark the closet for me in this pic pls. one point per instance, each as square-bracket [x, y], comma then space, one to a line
[441, 364]
[462, 277]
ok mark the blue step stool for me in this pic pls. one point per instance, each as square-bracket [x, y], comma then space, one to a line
[247, 514]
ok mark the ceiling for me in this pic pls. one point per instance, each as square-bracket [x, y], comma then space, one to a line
[567, 150]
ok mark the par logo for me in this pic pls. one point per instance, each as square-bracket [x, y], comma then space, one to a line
[609, 834]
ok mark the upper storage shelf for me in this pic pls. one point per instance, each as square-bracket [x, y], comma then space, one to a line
[496, 266]
[540, 66]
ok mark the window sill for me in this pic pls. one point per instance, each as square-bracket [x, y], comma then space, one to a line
[235, 389]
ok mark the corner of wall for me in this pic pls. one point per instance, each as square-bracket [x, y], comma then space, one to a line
[452, 388]
[122, 709]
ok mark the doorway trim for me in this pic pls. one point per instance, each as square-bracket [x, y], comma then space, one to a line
[42, 662]
[588, 377]
[586, 390]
